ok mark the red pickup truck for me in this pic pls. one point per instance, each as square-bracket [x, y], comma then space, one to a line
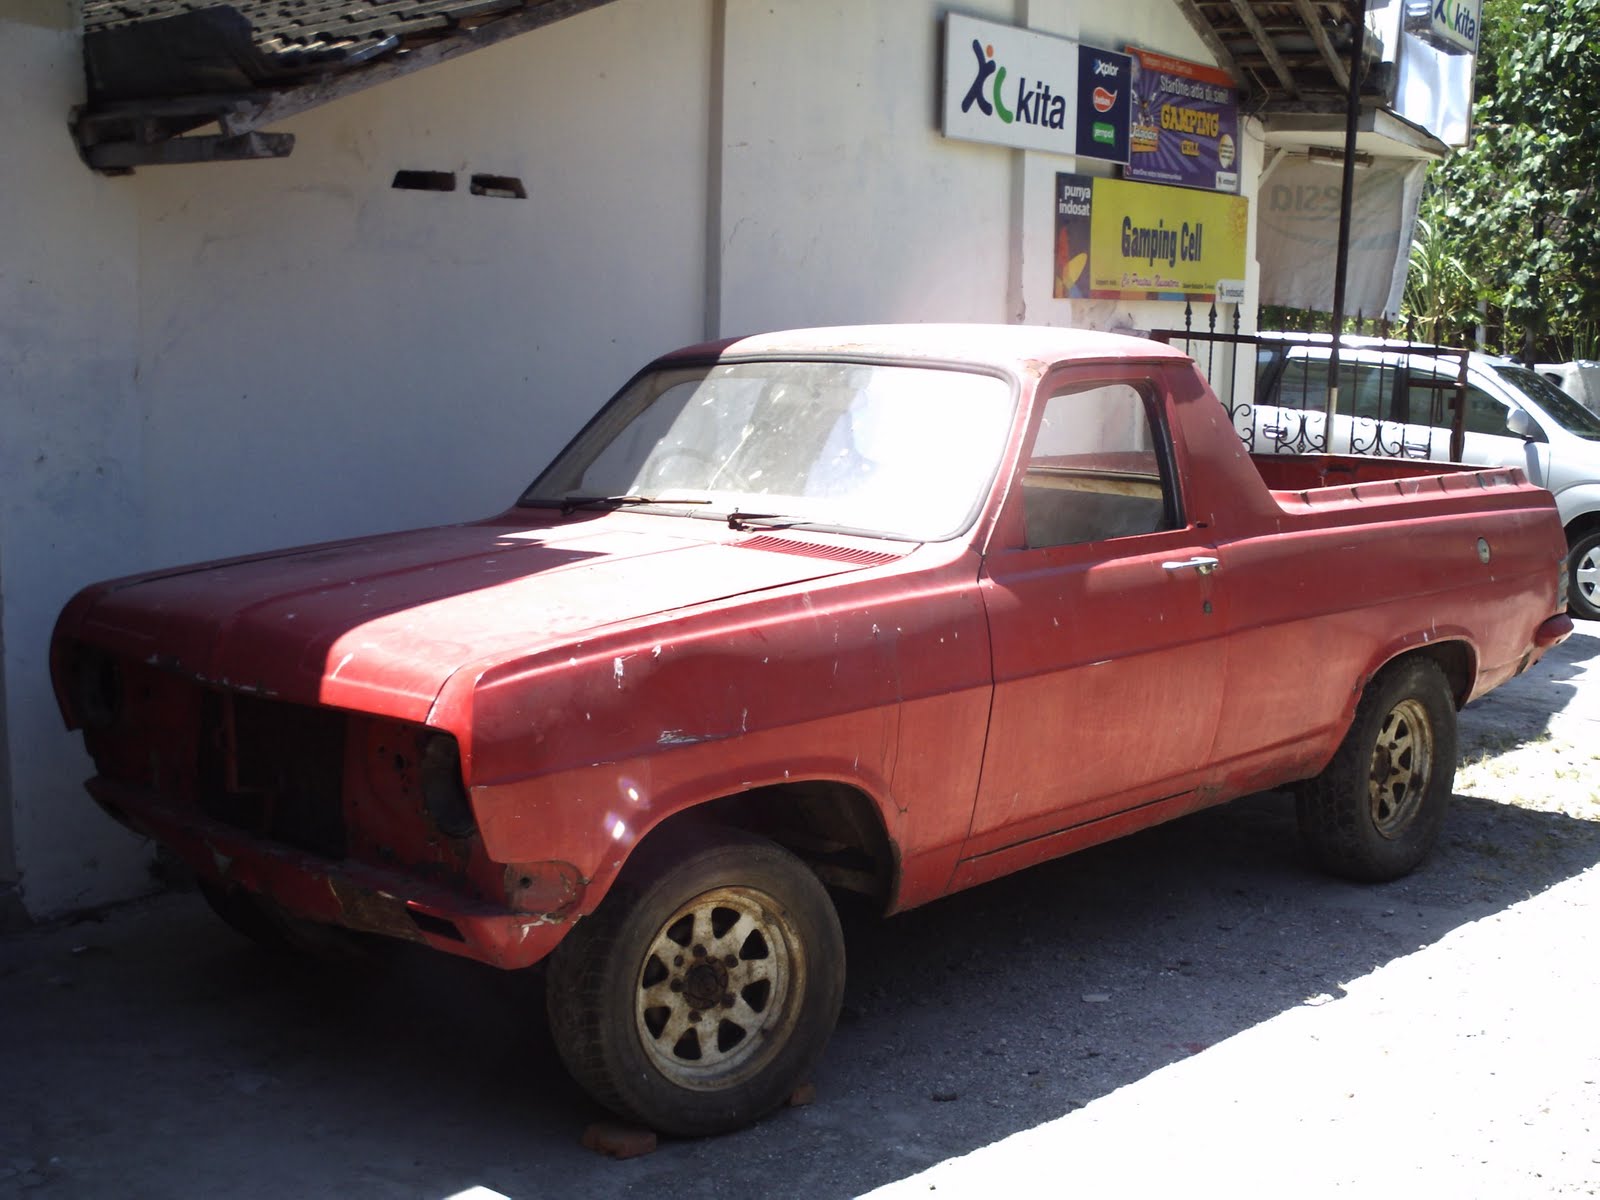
[893, 610]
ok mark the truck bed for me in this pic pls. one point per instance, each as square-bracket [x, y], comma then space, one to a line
[1320, 480]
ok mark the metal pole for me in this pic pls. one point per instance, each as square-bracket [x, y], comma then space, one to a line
[1346, 196]
[1536, 309]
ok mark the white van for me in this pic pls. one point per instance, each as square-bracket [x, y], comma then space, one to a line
[1403, 407]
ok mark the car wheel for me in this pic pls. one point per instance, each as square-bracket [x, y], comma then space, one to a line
[1376, 810]
[1583, 588]
[704, 988]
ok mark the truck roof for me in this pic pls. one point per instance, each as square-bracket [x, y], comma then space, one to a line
[1010, 347]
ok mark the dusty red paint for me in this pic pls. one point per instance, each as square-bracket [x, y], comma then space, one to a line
[602, 672]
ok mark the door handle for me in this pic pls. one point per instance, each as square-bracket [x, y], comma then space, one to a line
[1202, 563]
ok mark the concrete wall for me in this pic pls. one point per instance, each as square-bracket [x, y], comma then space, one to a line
[71, 468]
[322, 354]
[205, 360]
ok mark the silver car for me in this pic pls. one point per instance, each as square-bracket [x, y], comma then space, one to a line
[1397, 403]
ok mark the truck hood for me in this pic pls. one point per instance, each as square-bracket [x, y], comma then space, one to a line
[380, 624]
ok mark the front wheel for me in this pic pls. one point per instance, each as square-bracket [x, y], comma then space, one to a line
[1583, 586]
[1377, 808]
[704, 988]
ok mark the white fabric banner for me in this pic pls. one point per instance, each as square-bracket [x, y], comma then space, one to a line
[1435, 90]
[1298, 234]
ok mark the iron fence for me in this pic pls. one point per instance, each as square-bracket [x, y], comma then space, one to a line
[1395, 399]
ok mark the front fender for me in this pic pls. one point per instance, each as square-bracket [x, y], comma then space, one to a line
[577, 756]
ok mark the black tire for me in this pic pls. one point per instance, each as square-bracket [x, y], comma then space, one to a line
[1376, 810]
[1583, 577]
[704, 988]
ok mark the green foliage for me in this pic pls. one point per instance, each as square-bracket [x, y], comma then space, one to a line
[1518, 210]
[1441, 294]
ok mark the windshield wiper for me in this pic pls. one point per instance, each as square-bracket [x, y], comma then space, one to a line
[572, 504]
[748, 520]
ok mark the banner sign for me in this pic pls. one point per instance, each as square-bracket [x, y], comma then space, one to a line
[1117, 240]
[1185, 124]
[1297, 236]
[1448, 25]
[1033, 91]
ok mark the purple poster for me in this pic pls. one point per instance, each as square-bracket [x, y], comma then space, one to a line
[1185, 127]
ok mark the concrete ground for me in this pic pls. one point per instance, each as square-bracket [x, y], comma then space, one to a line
[1191, 1010]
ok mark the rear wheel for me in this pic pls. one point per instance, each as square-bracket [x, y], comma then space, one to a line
[704, 988]
[1583, 588]
[1376, 810]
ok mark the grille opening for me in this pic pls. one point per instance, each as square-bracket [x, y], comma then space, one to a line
[274, 769]
[425, 181]
[437, 926]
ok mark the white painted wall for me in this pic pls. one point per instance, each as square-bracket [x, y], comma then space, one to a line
[210, 359]
[71, 460]
[324, 355]
[841, 202]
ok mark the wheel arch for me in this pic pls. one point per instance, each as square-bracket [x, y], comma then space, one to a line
[1581, 526]
[834, 827]
[1455, 656]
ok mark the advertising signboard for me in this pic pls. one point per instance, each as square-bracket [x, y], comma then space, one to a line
[1118, 240]
[1033, 91]
[1105, 103]
[1185, 124]
[1449, 25]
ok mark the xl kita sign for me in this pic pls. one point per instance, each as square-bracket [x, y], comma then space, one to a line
[1034, 91]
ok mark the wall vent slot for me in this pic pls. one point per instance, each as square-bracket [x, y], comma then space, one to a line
[426, 181]
[506, 187]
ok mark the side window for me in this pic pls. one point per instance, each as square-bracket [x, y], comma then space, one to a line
[1095, 470]
[1485, 414]
[1365, 388]
[1369, 389]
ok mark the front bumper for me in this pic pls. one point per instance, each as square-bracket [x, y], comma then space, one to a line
[355, 895]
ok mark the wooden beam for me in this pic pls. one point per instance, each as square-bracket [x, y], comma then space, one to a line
[1208, 35]
[1263, 40]
[124, 156]
[534, 14]
[1309, 14]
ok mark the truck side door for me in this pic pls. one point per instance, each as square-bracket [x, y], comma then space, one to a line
[1104, 616]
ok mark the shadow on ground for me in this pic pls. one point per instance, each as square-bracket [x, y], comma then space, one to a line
[155, 1054]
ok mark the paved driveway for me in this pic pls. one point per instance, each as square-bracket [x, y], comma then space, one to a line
[1191, 1009]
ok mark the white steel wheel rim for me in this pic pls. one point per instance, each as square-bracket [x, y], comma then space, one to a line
[1587, 576]
[1402, 765]
[716, 997]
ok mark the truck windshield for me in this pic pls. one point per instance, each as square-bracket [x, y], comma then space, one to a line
[892, 451]
[1563, 409]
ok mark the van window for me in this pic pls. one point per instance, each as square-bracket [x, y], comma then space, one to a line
[1486, 414]
[1566, 411]
[1368, 387]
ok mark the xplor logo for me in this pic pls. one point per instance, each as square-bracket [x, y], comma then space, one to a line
[1032, 105]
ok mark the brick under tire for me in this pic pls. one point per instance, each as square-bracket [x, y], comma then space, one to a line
[704, 988]
[1376, 810]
